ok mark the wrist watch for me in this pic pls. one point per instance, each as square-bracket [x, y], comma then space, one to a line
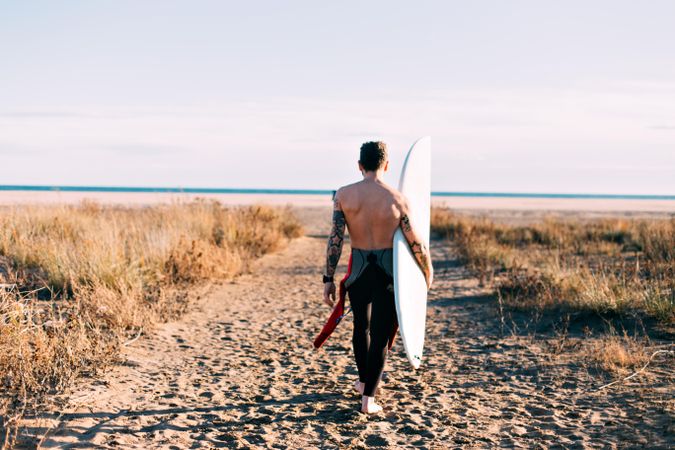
[327, 279]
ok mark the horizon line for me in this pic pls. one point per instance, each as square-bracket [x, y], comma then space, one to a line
[194, 190]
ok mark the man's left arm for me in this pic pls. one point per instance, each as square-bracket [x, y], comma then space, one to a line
[334, 250]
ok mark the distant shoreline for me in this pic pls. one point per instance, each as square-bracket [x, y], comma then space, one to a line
[179, 190]
[323, 200]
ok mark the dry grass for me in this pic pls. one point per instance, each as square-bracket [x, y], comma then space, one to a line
[88, 277]
[608, 266]
[612, 268]
[617, 354]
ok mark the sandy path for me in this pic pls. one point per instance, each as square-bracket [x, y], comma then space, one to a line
[239, 372]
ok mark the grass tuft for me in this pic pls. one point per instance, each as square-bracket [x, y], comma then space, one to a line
[617, 354]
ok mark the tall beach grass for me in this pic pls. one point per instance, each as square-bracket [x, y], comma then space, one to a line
[604, 268]
[77, 281]
[608, 266]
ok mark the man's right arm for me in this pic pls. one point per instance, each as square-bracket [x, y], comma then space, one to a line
[417, 246]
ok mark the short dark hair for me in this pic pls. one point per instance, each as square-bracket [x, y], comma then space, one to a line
[373, 155]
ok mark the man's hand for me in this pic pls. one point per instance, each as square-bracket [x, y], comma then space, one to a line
[329, 294]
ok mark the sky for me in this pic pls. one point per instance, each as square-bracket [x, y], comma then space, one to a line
[517, 96]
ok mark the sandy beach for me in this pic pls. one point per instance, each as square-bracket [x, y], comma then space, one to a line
[239, 371]
[508, 205]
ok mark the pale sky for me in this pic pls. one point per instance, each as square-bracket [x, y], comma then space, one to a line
[518, 96]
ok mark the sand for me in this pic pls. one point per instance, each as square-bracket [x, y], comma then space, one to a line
[151, 198]
[506, 205]
[239, 371]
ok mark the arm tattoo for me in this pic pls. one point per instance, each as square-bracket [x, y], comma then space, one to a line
[335, 241]
[405, 223]
[419, 250]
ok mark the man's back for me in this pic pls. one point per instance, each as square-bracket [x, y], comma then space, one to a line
[372, 211]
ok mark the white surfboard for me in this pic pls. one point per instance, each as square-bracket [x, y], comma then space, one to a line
[409, 282]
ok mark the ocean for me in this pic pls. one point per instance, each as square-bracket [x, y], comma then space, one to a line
[127, 189]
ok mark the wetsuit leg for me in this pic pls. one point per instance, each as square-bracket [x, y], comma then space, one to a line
[372, 299]
[359, 298]
[384, 316]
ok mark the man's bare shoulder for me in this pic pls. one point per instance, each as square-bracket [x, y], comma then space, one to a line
[346, 188]
[397, 198]
[345, 191]
[395, 194]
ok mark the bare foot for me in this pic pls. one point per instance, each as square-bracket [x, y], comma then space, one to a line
[368, 405]
[360, 386]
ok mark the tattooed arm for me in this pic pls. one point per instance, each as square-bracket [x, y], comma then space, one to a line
[334, 250]
[417, 245]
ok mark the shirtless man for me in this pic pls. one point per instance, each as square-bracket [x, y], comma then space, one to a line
[372, 211]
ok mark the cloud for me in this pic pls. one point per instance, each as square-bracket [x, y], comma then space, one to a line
[11, 148]
[117, 113]
[143, 149]
[290, 140]
[43, 115]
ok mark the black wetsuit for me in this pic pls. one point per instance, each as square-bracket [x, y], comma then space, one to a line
[371, 293]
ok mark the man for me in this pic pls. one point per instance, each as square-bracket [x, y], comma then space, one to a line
[372, 211]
